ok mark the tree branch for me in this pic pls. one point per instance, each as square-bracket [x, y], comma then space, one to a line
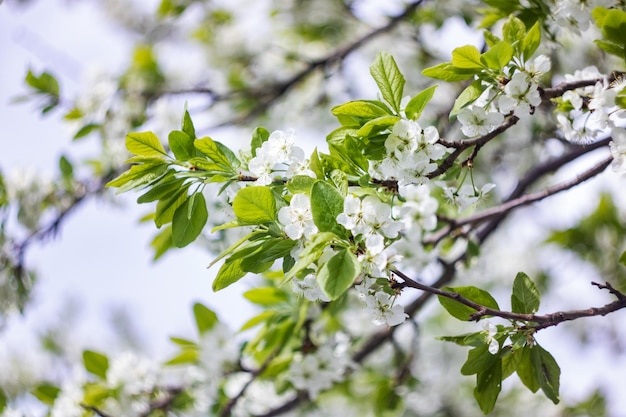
[542, 321]
[523, 200]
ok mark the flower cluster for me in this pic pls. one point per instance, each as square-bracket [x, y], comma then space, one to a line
[411, 154]
[586, 113]
[279, 154]
[319, 370]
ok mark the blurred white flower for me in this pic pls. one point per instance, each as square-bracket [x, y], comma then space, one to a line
[309, 288]
[491, 331]
[618, 150]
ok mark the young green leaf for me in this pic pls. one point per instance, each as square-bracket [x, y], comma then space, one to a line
[266, 296]
[166, 186]
[255, 205]
[339, 273]
[448, 72]
[229, 273]
[467, 57]
[137, 176]
[461, 311]
[525, 298]
[471, 93]
[326, 205]
[46, 393]
[166, 207]
[189, 220]
[211, 150]
[532, 40]
[259, 136]
[144, 144]
[206, 319]
[185, 356]
[377, 125]
[360, 109]
[188, 126]
[416, 106]
[514, 32]
[498, 56]
[389, 79]
[181, 145]
[96, 363]
[478, 360]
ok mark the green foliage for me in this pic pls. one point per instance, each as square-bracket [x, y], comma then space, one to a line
[389, 79]
[326, 205]
[46, 393]
[525, 297]
[45, 87]
[96, 363]
[612, 24]
[418, 103]
[461, 311]
[206, 319]
[255, 205]
[189, 220]
[339, 273]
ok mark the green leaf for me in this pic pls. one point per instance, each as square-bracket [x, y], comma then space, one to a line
[532, 40]
[468, 95]
[66, 168]
[259, 136]
[184, 343]
[525, 368]
[96, 363]
[229, 273]
[312, 251]
[498, 56]
[144, 144]
[613, 26]
[488, 386]
[448, 72]
[46, 393]
[326, 205]
[461, 311]
[359, 109]
[188, 126]
[181, 145]
[189, 220]
[266, 296]
[86, 130]
[547, 371]
[166, 207]
[338, 274]
[514, 31]
[164, 188]
[611, 48]
[162, 242]
[525, 298]
[377, 125]
[213, 151]
[467, 57]
[416, 106]
[478, 360]
[3, 400]
[300, 184]
[258, 319]
[255, 205]
[490, 38]
[185, 356]
[622, 258]
[206, 319]
[390, 81]
[137, 176]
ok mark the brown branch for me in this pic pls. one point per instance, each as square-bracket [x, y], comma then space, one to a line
[96, 410]
[533, 321]
[559, 89]
[523, 200]
[274, 92]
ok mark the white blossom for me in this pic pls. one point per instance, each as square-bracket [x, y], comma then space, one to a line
[476, 121]
[520, 95]
[467, 195]
[383, 309]
[297, 217]
[309, 288]
[318, 371]
[132, 373]
[618, 150]
[490, 339]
